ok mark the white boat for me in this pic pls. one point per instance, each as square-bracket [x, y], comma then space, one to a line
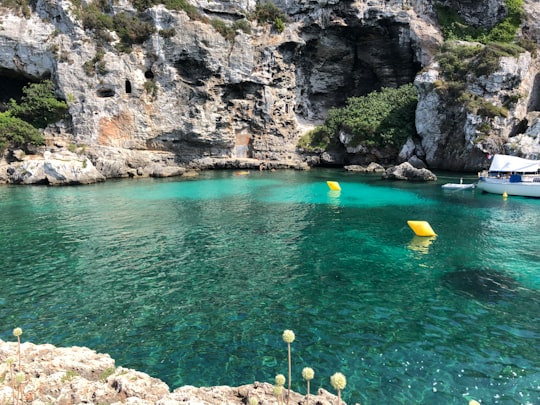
[511, 175]
[457, 186]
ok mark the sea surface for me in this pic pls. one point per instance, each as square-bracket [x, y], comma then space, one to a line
[193, 281]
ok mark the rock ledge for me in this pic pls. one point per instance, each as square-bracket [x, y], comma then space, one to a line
[79, 375]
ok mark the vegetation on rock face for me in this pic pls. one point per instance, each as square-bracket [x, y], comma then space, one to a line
[379, 119]
[131, 30]
[20, 124]
[98, 17]
[229, 31]
[16, 132]
[454, 26]
[461, 62]
[39, 105]
[268, 12]
[24, 6]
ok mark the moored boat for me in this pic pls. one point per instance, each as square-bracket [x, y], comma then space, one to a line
[511, 175]
[458, 186]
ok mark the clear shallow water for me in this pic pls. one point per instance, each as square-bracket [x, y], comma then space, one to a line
[194, 281]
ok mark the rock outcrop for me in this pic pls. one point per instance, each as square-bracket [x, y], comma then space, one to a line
[78, 375]
[408, 172]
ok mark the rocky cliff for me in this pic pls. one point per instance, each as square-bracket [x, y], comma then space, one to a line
[190, 97]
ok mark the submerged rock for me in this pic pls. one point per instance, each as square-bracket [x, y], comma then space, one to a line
[484, 285]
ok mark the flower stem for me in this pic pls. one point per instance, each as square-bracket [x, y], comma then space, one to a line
[289, 358]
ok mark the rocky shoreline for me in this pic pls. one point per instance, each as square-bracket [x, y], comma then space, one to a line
[79, 375]
[62, 167]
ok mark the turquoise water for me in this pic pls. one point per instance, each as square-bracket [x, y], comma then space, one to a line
[194, 281]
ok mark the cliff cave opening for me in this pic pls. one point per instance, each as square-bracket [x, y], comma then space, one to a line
[346, 61]
[11, 85]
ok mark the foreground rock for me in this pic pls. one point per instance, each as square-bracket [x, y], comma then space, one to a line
[78, 375]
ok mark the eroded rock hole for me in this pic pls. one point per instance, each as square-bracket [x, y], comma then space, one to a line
[192, 70]
[105, 93]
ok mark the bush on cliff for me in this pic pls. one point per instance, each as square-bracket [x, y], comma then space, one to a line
[39, 106]
[454, 26]
[16, 132]
[379, 119]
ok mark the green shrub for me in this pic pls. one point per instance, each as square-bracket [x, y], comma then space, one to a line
[279, 25]
[242, 25]
[106, 374]
[454, 60]
[16, 132]
[480, 106]
[221, 26]
[151, 89]
[528, 45]
[167, 33]
[94, 19]
[381, 118]
[454, 26]
[316, 140]
[39, 105]
[229, 31]
[132, 30]
[142, 5]
[268, 12]
[487, 62]
[183, 5]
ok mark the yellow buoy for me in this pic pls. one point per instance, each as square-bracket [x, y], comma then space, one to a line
[421, 228]
[505, 195]
[334, 185]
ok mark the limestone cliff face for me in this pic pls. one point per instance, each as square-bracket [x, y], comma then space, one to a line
[195, 98]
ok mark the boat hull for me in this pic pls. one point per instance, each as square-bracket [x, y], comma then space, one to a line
[457, 186]
[501, 186]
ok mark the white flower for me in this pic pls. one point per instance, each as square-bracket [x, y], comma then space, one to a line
[288, 336]
[338, 381]
[19, 378]
[17, 332]
[280, 379]
[308, 373]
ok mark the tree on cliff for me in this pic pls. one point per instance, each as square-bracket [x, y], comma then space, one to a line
[20, 124]
[39, 105]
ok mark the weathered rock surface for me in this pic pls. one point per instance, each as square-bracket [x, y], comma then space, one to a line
[406, 171]
[371, 168]
[78, 375]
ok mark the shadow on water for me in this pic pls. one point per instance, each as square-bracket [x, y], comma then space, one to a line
[485, 285]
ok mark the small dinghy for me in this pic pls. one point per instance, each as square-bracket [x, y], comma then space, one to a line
[457, 186]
